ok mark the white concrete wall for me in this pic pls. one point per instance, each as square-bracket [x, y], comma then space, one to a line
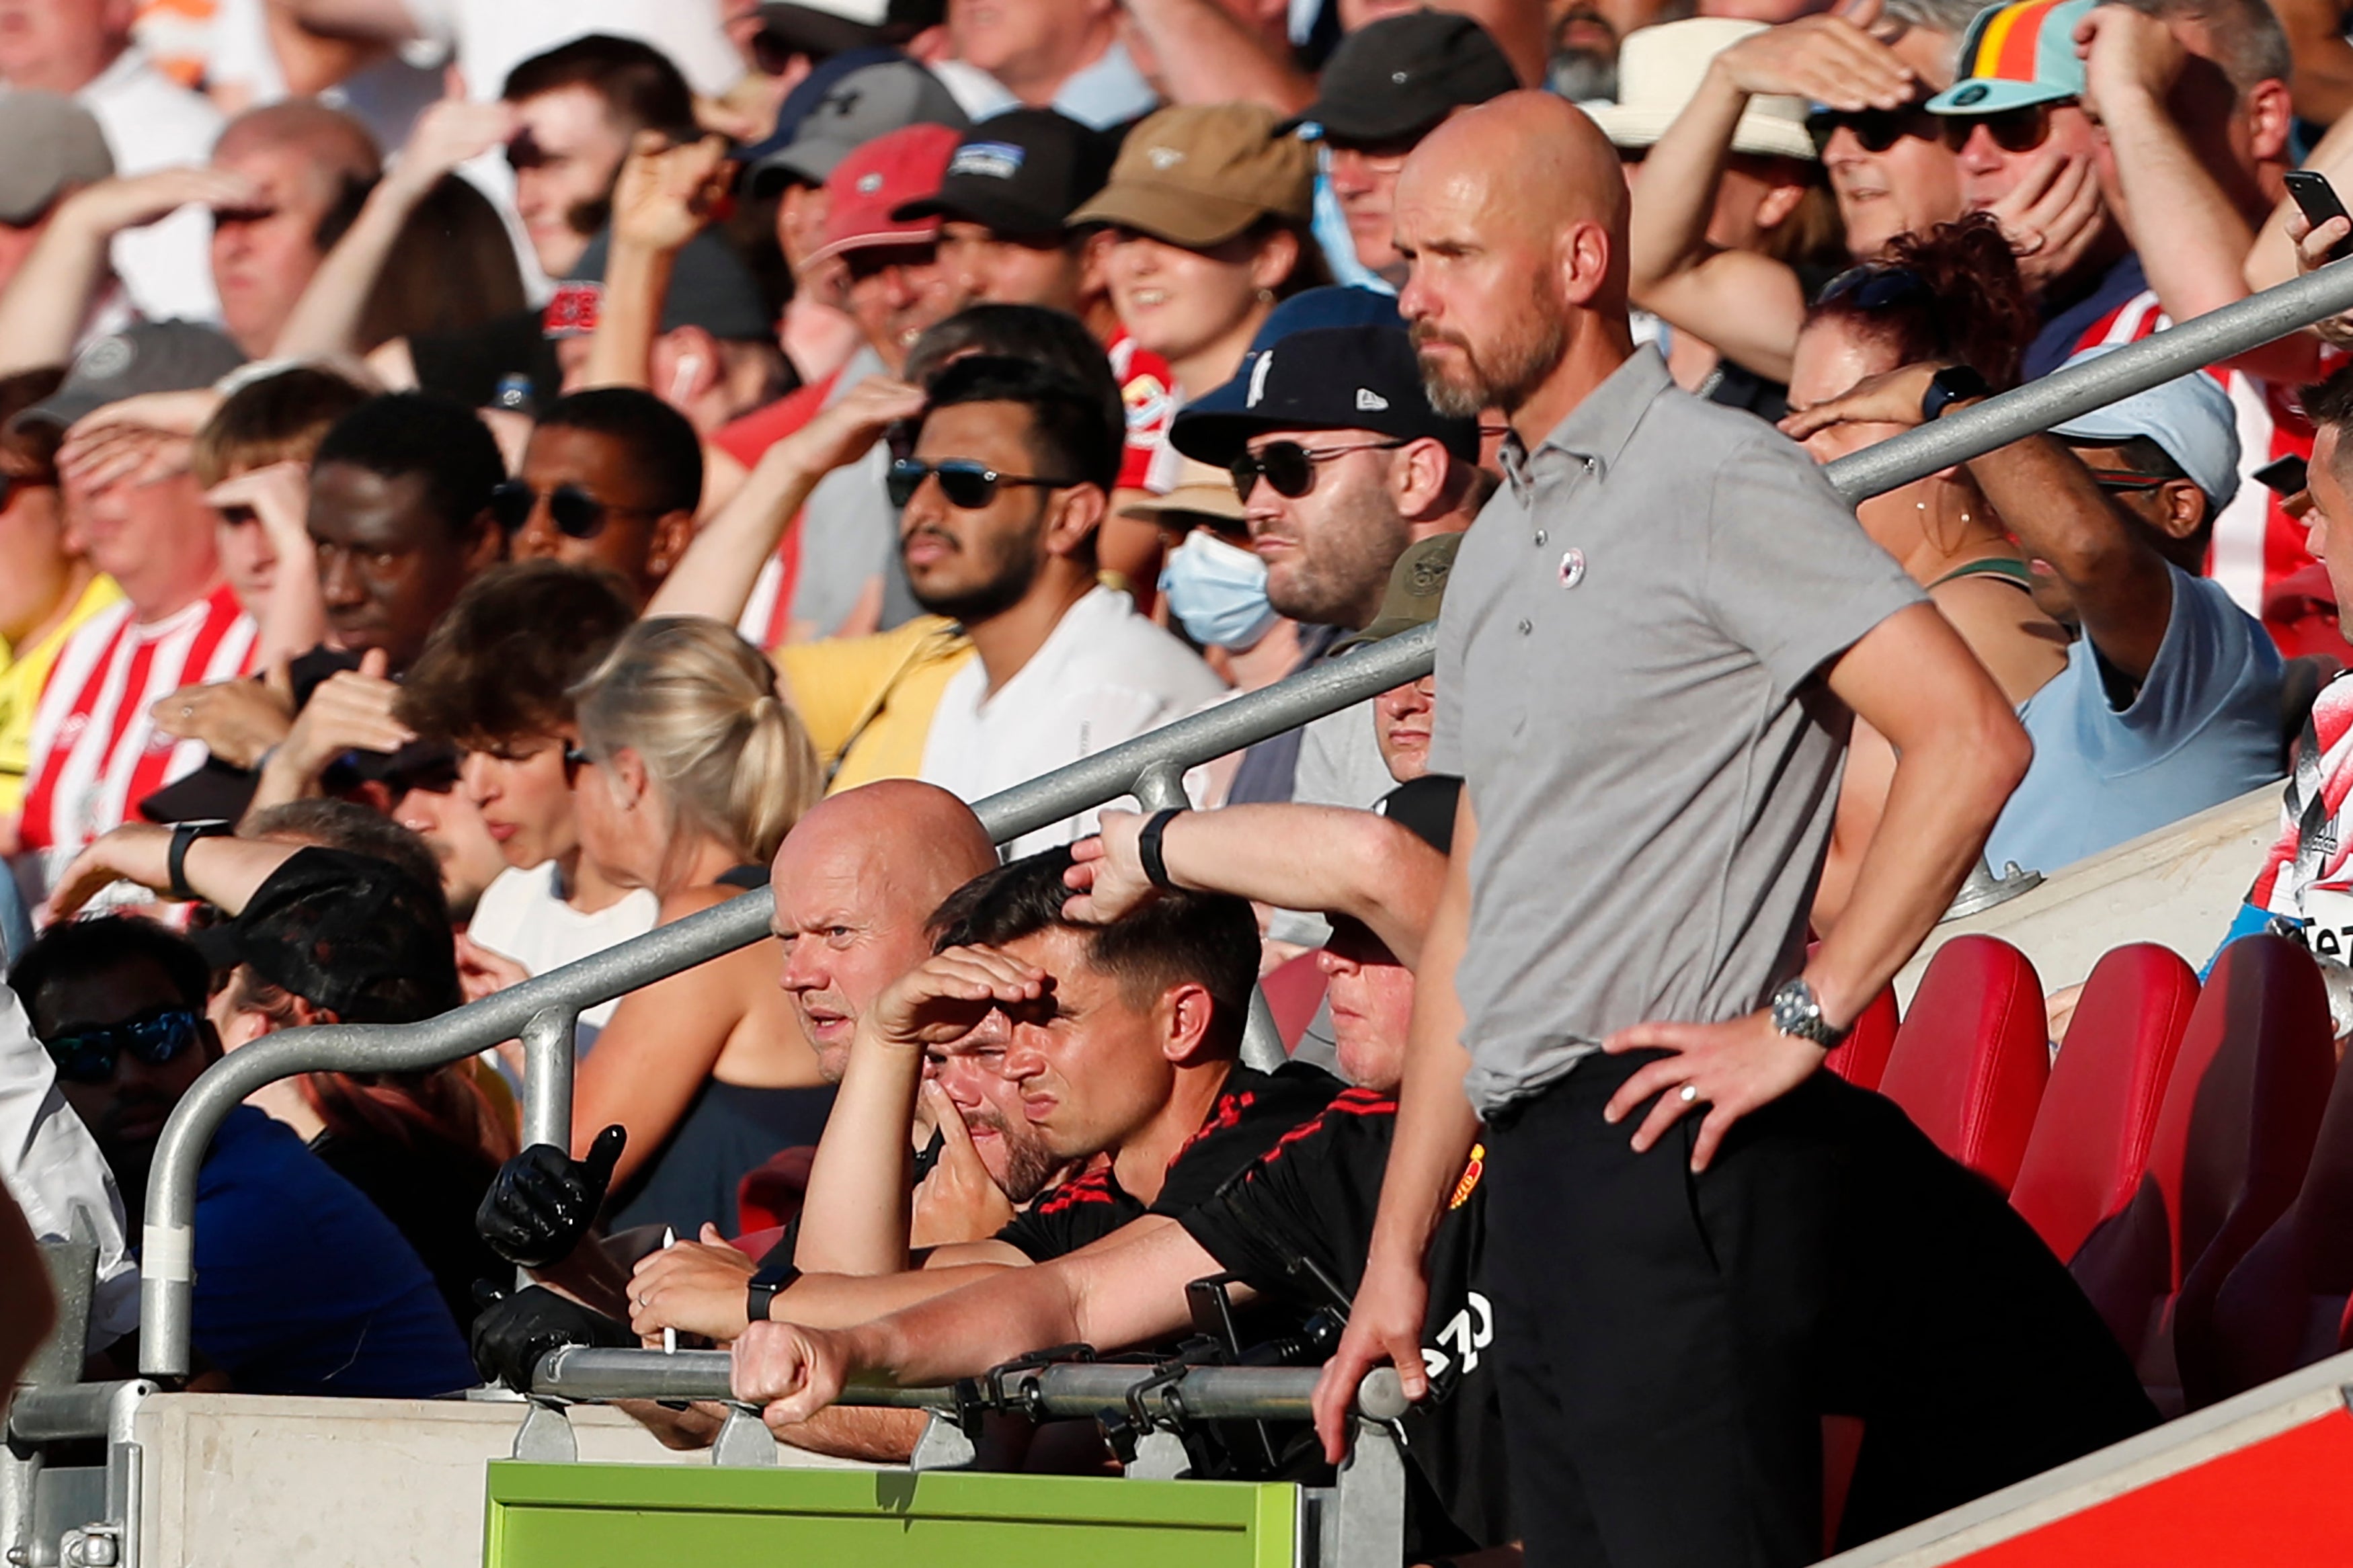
[236, 1480]
[2181, 886]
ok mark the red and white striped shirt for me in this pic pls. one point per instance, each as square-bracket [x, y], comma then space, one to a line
[2256, 546]
[95, 755]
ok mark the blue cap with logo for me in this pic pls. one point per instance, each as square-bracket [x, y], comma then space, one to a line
[1326, 378]
[2015, 56]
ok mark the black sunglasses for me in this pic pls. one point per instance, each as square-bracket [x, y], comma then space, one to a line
[576, 513]
[1290, 467]
[156, 1037]
[1876, 288]
[2019, 130]
[1876, 129]
[967, 485]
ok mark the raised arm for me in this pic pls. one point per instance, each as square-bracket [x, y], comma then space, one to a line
[2192, 238]
[223, 871]
[326, 320]
[1748, 307]
[715, 576]
[367, 21]
[1327, 858]
[1209, 55]
[663, 198]
[856, 1217]
[44, 306]
[1435, 1128]
[2122, 586]
[1127, 1289]
[2323, 59]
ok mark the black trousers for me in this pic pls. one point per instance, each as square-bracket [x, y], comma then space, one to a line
[1670, 1342]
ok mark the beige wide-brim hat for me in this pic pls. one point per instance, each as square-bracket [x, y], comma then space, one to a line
[1658, 71]
[1203, 494]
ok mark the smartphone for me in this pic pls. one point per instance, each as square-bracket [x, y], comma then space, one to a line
[2318, 199]
[2284, 477]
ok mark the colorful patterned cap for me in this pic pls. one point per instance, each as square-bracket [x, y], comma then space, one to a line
[2017, 55]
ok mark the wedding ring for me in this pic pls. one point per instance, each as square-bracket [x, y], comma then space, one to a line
[1690, 1093]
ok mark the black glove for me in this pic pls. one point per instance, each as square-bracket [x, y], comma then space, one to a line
[543, 1201]
[512, 1332]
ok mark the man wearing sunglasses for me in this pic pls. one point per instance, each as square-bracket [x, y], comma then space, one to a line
[1342, 465]
[303, 1285]
[1002, 493]
[611, 478]
[2032, 156]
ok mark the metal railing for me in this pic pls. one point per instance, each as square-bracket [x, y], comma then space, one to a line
[542, 1011]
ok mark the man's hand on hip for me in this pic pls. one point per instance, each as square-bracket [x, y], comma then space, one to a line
[1732, 1068]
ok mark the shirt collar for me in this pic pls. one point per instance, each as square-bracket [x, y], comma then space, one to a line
[1597, 430]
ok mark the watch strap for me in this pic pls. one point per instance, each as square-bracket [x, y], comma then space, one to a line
[176, 862]
[1148, 847]
[765, 1287]
[1948, 386]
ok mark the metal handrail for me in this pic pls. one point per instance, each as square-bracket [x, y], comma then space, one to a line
[557, 996]
[583, 1373]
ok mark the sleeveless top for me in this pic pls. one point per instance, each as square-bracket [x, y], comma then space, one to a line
[728, 1130]
[1998, 567]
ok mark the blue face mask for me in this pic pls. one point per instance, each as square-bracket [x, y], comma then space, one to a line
[1218, 591]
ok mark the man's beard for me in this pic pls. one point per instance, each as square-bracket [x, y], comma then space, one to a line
[1013, 565]
[1521, 364]
[1582, 76]
[1029, 1165]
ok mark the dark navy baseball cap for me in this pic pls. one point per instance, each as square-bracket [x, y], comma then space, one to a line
[1326, 378]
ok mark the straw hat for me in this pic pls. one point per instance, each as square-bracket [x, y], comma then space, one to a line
[1658, 71]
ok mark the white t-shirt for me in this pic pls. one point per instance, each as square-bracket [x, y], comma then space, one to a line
[487, 39]
[521, 916]
[51, 1166]
[1102, 676]
[153, 122]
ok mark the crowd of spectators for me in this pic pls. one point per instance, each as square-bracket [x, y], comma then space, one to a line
[482, 481]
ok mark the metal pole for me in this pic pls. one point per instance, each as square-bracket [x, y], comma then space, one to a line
[1062, 1389]
[547, 1077]
[171, 1202]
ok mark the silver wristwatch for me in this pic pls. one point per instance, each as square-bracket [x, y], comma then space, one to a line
[1796, 1011]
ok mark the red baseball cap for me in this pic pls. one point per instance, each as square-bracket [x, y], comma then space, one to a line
[906, 165]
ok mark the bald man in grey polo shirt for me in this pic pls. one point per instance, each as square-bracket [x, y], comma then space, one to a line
[1653, 644]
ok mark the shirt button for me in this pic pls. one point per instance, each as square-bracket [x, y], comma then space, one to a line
[1541, 536]
[1526, 626]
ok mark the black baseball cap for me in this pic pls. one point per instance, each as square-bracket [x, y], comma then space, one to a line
[350, 933]
[1394, 80]
[1329, 378]
[1021, 173]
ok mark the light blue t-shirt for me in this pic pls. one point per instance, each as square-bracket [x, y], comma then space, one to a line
[2204, 729]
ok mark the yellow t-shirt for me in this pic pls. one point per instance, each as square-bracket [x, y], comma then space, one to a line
[22, 676]
[868, 702]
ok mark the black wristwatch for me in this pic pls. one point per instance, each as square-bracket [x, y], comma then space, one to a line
[1148, 847]
[1948, 386]
[763, 1290]
[176, 864]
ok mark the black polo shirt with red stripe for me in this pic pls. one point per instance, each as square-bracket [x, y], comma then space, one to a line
[1252, 1112]
[1297, 1226]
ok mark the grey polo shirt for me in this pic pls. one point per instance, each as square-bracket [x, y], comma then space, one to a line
[1627, 661]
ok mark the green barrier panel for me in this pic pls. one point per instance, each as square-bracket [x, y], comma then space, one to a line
[625, 1516]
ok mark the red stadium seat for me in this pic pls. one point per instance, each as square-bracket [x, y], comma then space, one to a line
[1969, 1062]
[2232, 1137]
[1861, 1057]
[2099, 1111]
[2283, 1306]
[1294, 990]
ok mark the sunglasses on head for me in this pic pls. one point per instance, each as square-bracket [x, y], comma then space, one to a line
[2013, 129]
[2124, 482]
[576, 513]
[968, 486]
[1872, 287]
[1876, 130]
[156, 1037]
[1290, 467]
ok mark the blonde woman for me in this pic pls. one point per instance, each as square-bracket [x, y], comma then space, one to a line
[689, 773]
